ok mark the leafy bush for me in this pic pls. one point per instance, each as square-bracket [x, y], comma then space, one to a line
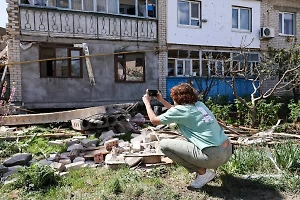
[220, 111]
[295, 111]
[267, 113]
[243, 112]
[8, 148]
[36, 177]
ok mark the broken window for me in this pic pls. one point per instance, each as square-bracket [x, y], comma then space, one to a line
[142, 8]
[127, 7]
[53, 66]
[130, 67]
[183, 63]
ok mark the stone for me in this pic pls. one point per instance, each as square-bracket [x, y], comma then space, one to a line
[45, 162]
[64, 155]
[3, 170]
[73, 154]
[18, 159]
[63, 173]
[75, 146]
[70, 142]
[132, 161]
[58, 166]
[54, 157]
[106, 136]
[78, 159]
[75, 165]
[89, 143]
[56, 142]
[65, 161]
[79, 137]
[11, 170]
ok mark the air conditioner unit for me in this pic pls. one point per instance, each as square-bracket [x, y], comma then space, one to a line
[266, 32]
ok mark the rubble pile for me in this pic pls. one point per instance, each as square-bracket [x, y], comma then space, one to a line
[106, 151]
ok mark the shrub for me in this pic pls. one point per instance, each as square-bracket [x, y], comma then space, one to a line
[36, 177]
[220, 111]
[295, 111]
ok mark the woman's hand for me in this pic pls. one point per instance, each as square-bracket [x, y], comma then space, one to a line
[146, 98]
[159, 97]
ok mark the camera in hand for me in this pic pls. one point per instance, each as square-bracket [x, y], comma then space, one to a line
[153, 93]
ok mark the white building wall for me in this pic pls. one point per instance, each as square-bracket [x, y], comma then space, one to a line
[217, 30]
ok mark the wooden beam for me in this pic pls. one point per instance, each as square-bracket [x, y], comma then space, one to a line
[64, 116]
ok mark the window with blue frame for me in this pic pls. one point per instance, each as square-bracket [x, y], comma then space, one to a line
[141, 8]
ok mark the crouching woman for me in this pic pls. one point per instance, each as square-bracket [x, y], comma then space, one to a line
[206, 146]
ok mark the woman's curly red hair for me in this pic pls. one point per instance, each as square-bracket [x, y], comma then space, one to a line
[183, 94]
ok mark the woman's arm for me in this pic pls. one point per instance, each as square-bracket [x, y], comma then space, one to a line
[152, 117]
[163, 101]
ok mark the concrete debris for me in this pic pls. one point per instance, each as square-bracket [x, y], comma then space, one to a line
[18, 159]
[85, 152]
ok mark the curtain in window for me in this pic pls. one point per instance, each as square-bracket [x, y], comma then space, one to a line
[288, 24]
[142, 8]
[235, 18]
[183, 12]
[112, 6]
[101, 5]
[245, 19]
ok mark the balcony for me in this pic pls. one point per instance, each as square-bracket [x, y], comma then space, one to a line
[36, 21]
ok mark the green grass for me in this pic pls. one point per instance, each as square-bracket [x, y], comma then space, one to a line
[171, 182]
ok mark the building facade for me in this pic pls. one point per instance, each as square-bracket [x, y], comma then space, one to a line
[202, 35]
[79, 53]
[282, 19]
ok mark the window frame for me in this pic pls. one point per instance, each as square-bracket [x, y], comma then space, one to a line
[208, 63]
[190, 14]
[45, 3]
[281, 32]
[250, 62]
[116, 60]
[239, 8]
[69, 60]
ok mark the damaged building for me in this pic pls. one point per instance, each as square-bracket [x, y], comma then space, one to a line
[72, 54]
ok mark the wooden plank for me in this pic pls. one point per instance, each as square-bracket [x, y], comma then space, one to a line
[57, 135]
[64, 116]
[43, 118]
[88, 64]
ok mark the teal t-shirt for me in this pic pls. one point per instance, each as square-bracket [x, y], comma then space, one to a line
[196, 123]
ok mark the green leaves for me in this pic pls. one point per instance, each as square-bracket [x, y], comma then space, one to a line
[36, 177]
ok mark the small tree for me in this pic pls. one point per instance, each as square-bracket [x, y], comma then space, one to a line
[213, 77]
[284, 64]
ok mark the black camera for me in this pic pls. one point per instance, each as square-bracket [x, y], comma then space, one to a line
[153, 93]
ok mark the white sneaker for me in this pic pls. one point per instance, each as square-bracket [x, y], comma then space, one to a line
[201, 180]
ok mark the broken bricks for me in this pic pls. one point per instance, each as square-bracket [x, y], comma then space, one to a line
[111, 143]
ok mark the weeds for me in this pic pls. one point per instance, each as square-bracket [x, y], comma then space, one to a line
[295, 111]
[36, 177]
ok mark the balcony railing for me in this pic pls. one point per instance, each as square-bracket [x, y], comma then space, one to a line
[64, 23]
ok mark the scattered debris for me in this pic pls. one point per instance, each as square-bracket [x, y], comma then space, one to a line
[106, 149]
